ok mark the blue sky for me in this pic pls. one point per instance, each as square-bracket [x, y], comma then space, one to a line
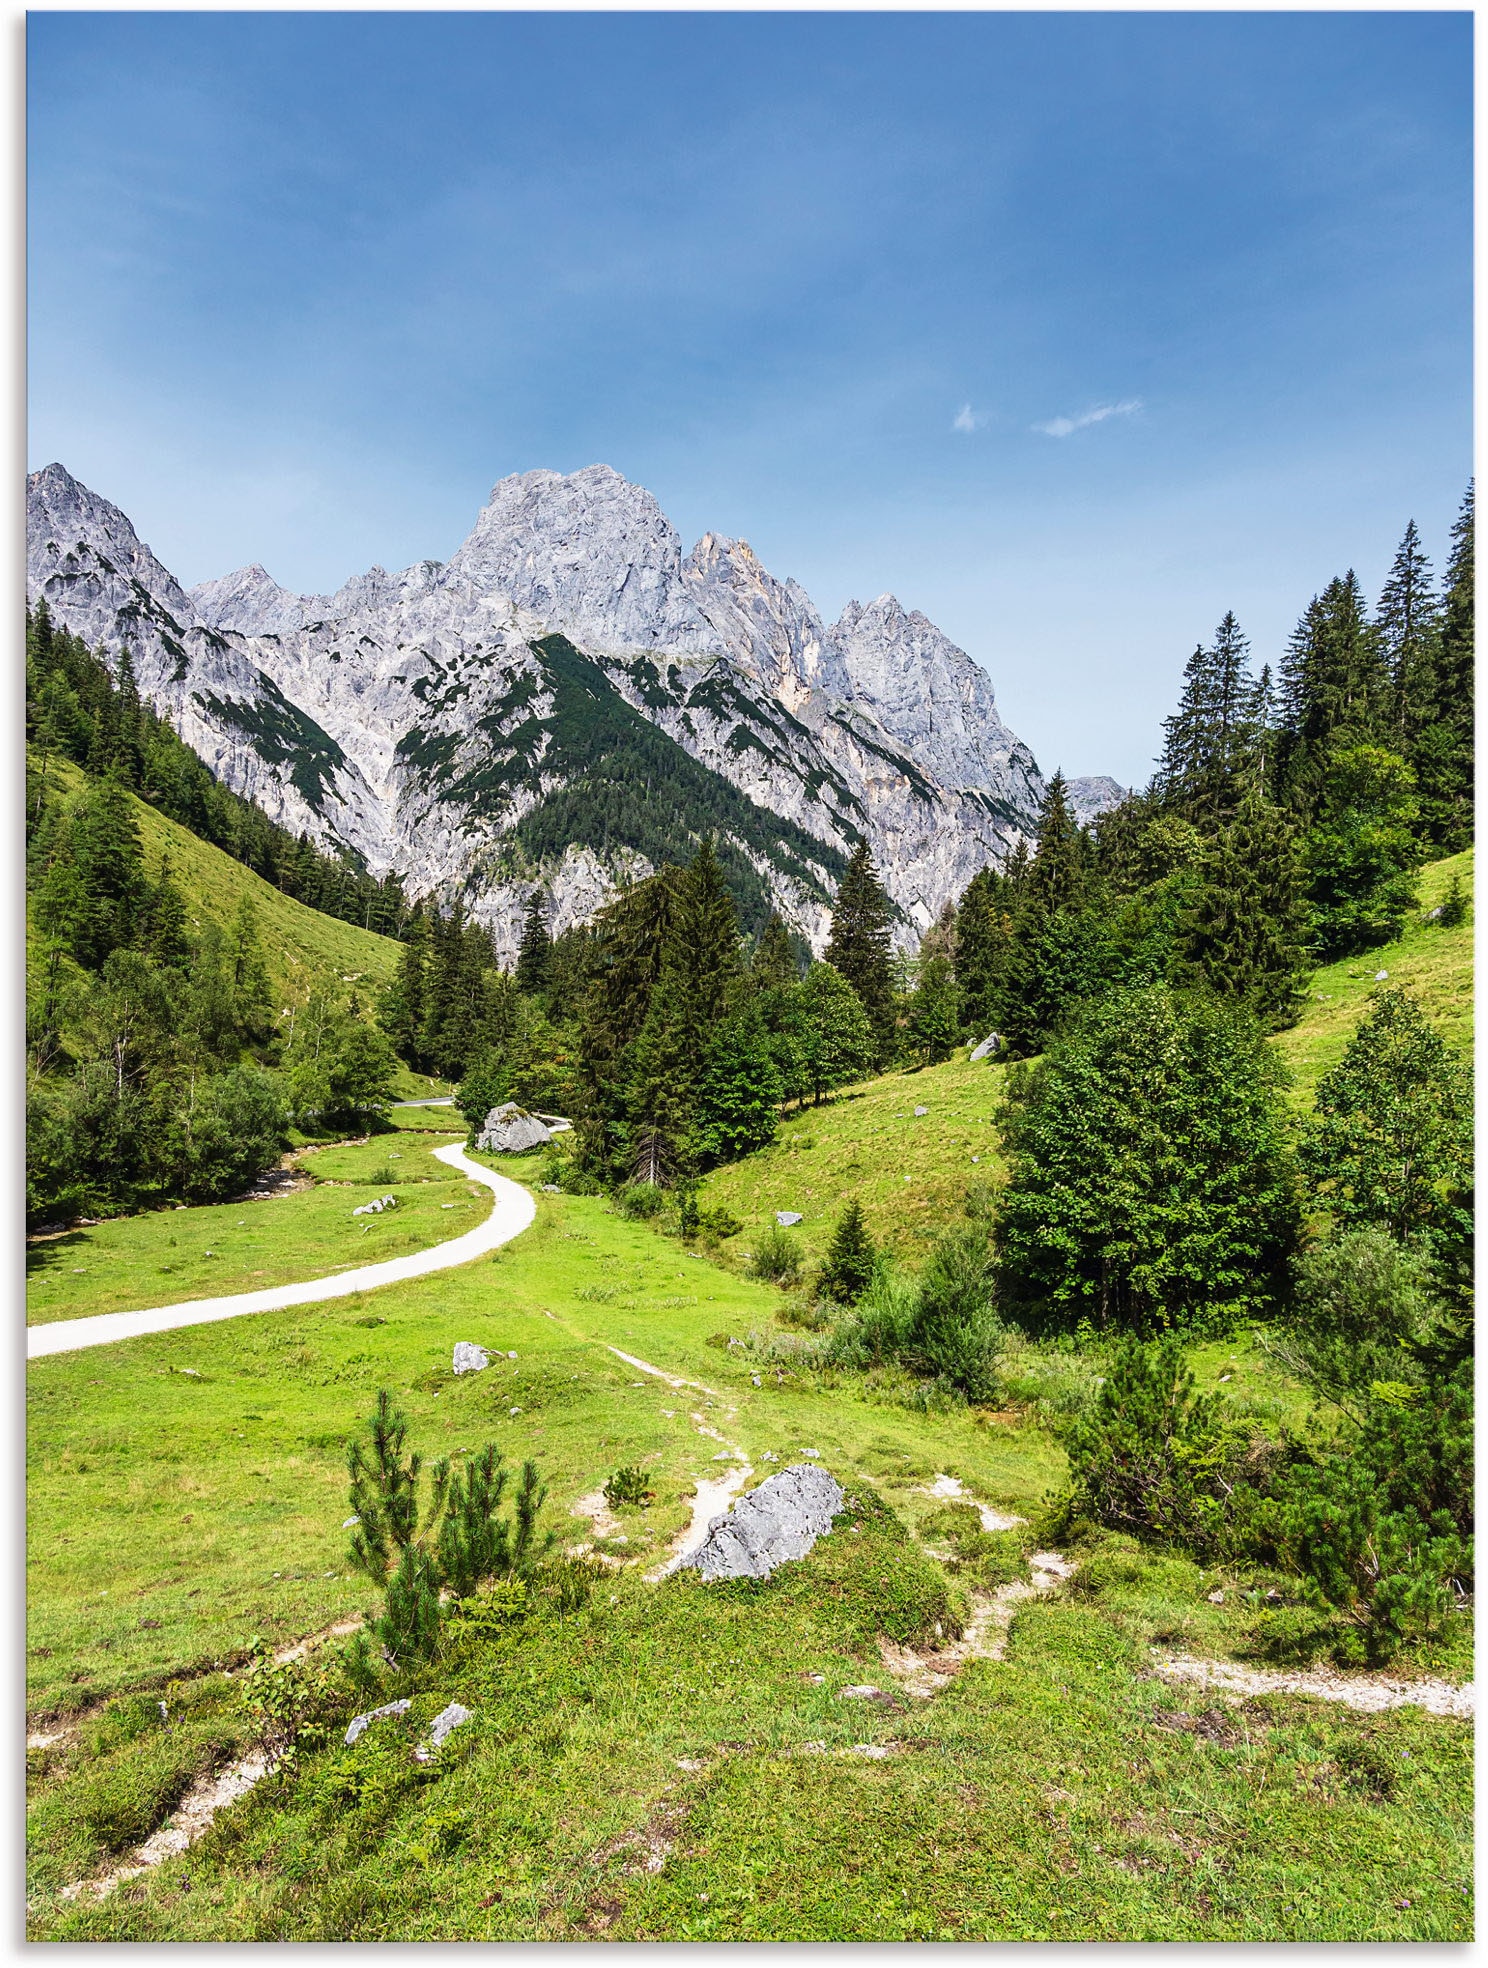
[1071, 330]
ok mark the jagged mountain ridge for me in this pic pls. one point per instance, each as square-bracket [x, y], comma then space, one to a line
[443, 721]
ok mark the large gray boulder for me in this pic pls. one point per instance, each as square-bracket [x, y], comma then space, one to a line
[511, 1130]
[782, 1519]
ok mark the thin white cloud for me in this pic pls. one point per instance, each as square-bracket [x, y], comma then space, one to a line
[967, 419]
[1066, 426]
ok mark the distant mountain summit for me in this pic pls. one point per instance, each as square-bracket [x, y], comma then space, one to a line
[566, 701]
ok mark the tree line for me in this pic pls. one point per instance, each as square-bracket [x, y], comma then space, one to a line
[77, 709]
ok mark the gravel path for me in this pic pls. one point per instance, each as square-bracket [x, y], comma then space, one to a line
[514, 1209]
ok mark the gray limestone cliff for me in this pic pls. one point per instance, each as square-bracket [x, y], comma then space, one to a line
[434, 721]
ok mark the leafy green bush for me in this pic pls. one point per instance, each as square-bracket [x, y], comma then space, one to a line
[640, 1201]
[1152, 1183]
[986, 1557]
[1360, 1305]
[291, 1703]
[718, 1222]
[777, 1257]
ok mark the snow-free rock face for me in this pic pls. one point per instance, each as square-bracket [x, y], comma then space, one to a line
[782, 1519]
[934, 699]
[462, 723]
[1092, 796]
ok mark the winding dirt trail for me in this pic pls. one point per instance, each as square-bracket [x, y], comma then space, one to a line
[511, 1213]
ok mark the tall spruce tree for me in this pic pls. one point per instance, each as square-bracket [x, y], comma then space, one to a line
[534, 954]
[774, 965]
[705, 955]
[1056, 952]
[858, 948]
[1442, 755]
[1213, 741]
[1335, 687]
[1245, 937]
[984, 924]
[1408, 620]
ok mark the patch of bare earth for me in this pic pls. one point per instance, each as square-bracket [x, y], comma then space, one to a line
[1368, 1693]
[190, 1820]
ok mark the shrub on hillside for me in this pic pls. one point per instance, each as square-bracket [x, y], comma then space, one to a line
[1151, 1183]
[640, 1201]
[777, 1257]
[1151, 1456]
[1360, 1306]
[412, 1545]
[954, 1333]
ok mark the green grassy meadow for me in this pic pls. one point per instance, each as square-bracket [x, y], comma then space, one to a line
[172, 1255]
[664, 1763]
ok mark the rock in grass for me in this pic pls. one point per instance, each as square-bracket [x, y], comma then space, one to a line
[362, 1722]
[446, 1720]
[785, 1218]
[782, 1519]
[470, 1358]
[988, 1046]
[921, 1110]
[511, 1130]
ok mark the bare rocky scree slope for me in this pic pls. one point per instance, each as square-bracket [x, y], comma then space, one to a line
[427, 719]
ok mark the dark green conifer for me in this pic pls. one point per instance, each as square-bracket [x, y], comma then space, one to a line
[1246, 935]
[859, 946]
[534, 954]
[774, 964]
[848, 1268]
[1408, 620]
[935, 1012]
[164, 922]
[984, 924]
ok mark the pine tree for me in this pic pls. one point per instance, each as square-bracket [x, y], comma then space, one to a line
[1212, 743]
[164, 935]
[935, 1012]
[983, 926]
[535, 953]
[1056, 879]
[739, 1098]
[1335, 688]
[1408, 621]
[1390, 1143]
[93, 893]
[705, 946]
[1245, 937]
[658, 1093]
[848, 1267]
[859, 946]
[402, 1011]
[1056, 951]
[1361, 851]
[774, 964]
[1443, 752]
[836, 1039]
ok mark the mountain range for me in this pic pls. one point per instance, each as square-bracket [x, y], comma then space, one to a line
[565, 703]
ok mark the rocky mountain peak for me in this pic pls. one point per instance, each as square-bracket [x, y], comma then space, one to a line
[593, 556]
[927, 692]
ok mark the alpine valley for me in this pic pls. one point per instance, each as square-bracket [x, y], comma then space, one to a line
[566, 704]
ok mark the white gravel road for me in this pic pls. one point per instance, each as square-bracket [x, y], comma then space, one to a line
[511, 1213]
